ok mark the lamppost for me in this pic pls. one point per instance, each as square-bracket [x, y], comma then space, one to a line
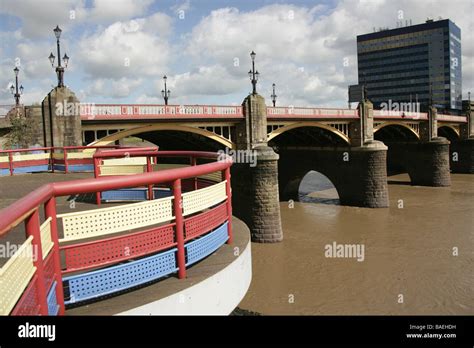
[165, 92]
[274, 96]
[15, 90]
[59, 69]
[253, 74]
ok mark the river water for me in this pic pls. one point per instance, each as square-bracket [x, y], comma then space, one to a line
[418, 254]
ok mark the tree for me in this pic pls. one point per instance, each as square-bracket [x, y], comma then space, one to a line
[21, 134]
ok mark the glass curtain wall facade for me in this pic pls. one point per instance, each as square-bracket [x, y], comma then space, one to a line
[403, 65]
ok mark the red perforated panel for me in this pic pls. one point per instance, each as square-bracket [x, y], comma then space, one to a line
[28, 303]
[49, 270]
[204, 222]
[112, 250]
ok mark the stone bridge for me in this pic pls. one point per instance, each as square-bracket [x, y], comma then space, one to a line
[354, 148]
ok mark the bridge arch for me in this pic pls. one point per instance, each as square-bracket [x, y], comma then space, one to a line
[393, 124]
[277, 132]
[109, 139]
[449, 132]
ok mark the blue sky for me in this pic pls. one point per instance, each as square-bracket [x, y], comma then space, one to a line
[120, 49]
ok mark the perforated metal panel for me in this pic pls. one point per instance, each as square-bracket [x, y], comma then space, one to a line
[124, 161]
[28, 303]
[122, 170]
[53, 307]
[202, 223]
[112, 250]
[204, 198]
[49, 270]
[79, 155]
[139, 194]
[117, 278]
[216, 177]
[205, 246]
[98, 222]
[46, 241]
[15, 276]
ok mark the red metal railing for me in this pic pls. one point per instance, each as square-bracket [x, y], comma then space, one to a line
[15, 160]
[48, 271]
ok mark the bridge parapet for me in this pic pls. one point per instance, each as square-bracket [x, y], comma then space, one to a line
[133, 111]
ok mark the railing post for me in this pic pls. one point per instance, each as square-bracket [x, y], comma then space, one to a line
[228, 192]
[65, 160]
[193, 163]
[32, 227]
[50, 212]
[10, 163]
[96, 175]
[178, 213]
[51, 158]
[149, 170]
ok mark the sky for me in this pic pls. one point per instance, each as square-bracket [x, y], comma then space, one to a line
[120, 49]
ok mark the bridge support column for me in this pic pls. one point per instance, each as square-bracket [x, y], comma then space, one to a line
[255, 183]
[358, 173]
[61, 118]
[462, 152]
[428, 161]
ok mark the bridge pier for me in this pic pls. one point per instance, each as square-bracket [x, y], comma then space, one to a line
[255, 182]
[462, 151]
[358, 173]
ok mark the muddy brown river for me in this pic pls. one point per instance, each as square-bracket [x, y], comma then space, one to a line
[418, 254]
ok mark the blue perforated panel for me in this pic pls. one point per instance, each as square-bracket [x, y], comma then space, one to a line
[204, 246]
[31, 169]
[5, 171]
[75, 167]
[117, 278]
[134, 194]
[53, 307]
[125, 195]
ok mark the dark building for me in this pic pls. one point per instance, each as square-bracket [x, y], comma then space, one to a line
[403, 65]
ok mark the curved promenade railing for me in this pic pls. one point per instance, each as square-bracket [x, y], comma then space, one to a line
[48, 159]
[108, 250]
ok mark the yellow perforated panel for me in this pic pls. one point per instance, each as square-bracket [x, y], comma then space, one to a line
[125, 161]
[201, 199]
[3, 159]
[46, 241]
[163, 166]
[29, 157]
[15, 276]
[79, 155]
[122, 170]
[98, 222]
[216, 176]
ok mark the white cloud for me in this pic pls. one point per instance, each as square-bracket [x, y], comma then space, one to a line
[115, 10]
[126, 49]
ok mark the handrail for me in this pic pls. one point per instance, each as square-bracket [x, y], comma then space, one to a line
[14, 214]
[41, 278]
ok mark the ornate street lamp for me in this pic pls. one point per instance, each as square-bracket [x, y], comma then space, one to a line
[15, 90]
[274, 96]
[165, 92]
[253, 75]
[59, 69]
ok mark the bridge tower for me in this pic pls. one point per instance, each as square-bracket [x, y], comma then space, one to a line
[255, 183]
[463, 151]
[61, 120]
